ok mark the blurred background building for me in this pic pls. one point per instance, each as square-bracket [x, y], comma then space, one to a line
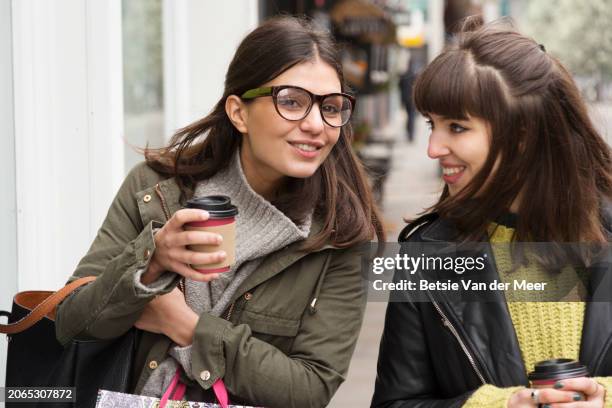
[84, 81]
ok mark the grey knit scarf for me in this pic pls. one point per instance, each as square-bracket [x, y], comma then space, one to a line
[260, 230]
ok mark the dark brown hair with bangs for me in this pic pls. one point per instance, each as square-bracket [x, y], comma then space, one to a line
[544, 149]
[338, 191]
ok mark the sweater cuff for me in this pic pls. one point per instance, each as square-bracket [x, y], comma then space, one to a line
[164, 284]
[607, 384]
[144, 247]
[489, 396]
[183, 356]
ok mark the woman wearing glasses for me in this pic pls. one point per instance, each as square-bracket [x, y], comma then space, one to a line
[280, 327]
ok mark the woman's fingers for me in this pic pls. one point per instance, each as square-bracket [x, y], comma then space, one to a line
[190, 273]
[186, 256]
[186, 215]
[194, 238]
[595, 400]
[545, 396]
[586, 385]
[172, 243]
[582, 404]
[591, 389]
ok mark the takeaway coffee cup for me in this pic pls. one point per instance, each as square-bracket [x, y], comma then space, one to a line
[222, 221]
[546, 373]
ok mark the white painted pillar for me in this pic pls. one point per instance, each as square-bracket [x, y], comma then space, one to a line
[8, 222]
[68, 131]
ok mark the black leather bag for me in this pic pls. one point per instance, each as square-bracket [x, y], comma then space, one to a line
[36, 359]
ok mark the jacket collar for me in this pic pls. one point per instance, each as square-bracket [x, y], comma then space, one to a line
[440, 230]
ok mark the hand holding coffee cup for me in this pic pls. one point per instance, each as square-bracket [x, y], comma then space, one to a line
[172, 251]
[530, 398]
[552, 382]
[567, 375]
[588, 392]
[221, 221]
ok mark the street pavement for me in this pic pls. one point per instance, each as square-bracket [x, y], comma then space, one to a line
[412, 185]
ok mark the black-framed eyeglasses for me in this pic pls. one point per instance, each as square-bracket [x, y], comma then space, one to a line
[294, 103]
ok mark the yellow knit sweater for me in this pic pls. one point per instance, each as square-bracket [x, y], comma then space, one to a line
[544, 329]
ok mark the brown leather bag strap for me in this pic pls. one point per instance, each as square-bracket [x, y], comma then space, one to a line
[45, 307]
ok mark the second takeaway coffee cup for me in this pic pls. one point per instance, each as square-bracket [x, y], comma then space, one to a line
[546, 373]
[222, 221]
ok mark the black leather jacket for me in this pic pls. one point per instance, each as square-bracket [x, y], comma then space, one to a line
[436, 354]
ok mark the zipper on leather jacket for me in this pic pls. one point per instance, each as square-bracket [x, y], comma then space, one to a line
[463, 346]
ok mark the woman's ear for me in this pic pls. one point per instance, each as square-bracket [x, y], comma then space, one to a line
[237, 113]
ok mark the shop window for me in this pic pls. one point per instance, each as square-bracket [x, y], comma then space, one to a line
[143, 81]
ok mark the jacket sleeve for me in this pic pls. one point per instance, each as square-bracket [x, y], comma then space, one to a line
[405, 377]
[109, 306]
[318, 362]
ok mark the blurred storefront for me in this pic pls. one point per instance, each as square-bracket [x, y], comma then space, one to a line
[366, 33]
[381, 40]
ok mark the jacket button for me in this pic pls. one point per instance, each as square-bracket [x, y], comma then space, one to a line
[147, 254]
[146, 198]
[205, 375]
[153, 364]
[248, 296]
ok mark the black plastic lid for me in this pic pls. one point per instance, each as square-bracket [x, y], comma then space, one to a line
[218, 206]
[558, 369]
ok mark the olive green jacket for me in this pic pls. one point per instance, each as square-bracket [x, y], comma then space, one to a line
[285, 341]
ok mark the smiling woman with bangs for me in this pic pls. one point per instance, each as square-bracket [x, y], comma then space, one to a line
[522, 163]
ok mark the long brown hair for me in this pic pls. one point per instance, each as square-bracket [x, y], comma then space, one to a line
[544, 148]
[338, 190]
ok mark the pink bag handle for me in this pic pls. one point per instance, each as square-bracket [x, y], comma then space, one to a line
[176, 391]
[221, 393]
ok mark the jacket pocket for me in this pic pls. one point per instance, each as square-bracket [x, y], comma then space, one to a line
[275, 330]
[269, 324]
